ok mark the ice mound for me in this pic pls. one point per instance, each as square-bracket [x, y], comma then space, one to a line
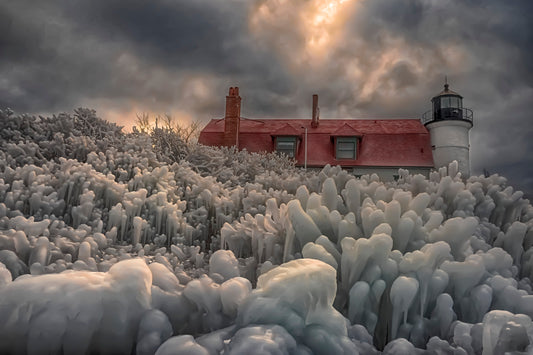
[75, 312]
[264, 340]
[224, 263]
[501, 332]
[183, 344]
[154, 329]
[504, 332]
[298, 295]
[5, 276]
[290, 312]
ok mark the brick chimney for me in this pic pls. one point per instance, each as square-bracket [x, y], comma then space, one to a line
[232, 118]
[316, 111]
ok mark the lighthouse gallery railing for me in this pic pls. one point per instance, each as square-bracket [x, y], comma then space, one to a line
[464, 114]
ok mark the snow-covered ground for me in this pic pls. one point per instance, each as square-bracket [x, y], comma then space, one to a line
[111, 243]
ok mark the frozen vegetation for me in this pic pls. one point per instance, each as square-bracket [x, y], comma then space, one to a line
[114, 243]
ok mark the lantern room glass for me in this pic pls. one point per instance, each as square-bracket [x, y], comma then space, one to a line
[450, 102]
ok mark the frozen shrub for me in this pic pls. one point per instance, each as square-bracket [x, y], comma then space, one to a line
[245, 251]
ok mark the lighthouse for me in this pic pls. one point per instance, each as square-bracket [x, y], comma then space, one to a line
[449, 125]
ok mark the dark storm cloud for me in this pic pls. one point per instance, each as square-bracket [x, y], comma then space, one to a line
[192, 34]
[43, 67]
[382, 59]
[61, 53]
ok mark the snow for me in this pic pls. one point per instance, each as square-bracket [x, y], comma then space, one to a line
[5, 275]
[264, 340]
[109, 244]
[233, 293]
[154, 329]
[298, 295]
[224, 263]
[183, 344]
[77, 311]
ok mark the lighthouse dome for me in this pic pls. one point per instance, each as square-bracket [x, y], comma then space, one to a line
[447, 105]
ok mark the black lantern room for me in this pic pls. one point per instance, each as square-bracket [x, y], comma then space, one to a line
[447, 105]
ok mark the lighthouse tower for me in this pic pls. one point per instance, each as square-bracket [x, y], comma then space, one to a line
[449, 124]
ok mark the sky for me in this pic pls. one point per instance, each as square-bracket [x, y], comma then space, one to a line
[364, 58]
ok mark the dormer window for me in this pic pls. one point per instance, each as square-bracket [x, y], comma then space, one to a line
[286, 145]
[346, 148]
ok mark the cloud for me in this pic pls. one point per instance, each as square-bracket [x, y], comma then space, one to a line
[66, 53]
[365, 58]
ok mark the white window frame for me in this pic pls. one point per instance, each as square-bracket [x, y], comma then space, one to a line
[342, 151]
[285, 142]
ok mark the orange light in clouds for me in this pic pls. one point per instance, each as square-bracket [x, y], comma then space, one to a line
[302, 31]
[125, 118]
[324, 24]
[128, 118]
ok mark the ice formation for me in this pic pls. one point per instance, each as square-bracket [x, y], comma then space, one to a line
[75, 311]
[108, 244]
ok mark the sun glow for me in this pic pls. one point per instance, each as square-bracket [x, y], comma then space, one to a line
[127, 116]
[325, 24]
[303, 32]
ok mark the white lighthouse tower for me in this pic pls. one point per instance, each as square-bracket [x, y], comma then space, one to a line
[449, 124]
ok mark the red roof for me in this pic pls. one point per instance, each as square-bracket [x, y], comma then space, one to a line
[346, 131]
[286, 130]
[386, 143]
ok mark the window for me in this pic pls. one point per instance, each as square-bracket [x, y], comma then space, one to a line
[286, 145]
[346, 148]
[455, 102]
[450, 101]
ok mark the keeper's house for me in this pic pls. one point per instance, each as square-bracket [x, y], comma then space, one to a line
[364, 146]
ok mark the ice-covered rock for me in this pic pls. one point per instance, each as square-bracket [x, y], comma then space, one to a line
[264, 339]
[403, 292]
[154, 329]
[75, 312]
[233, 293]
[183, 344]
[5, 275]
[305, 229]
[505, 332]
[224, 263]
[318, 252]
[298, 296]
[15, 266]
[164, 278]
